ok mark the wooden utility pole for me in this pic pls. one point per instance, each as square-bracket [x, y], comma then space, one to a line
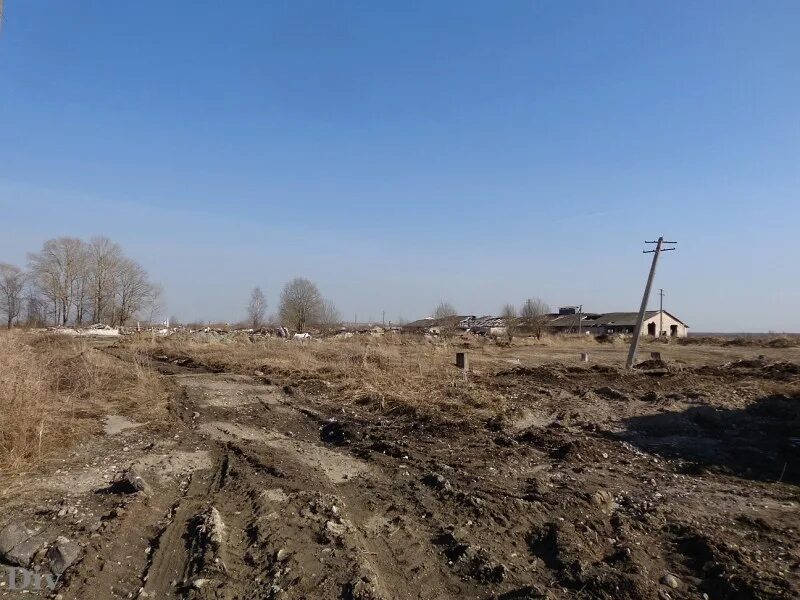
[660, 312]
[646, 297]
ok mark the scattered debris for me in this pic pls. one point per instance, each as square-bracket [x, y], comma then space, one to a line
[609, 392]
[62, 554]
[18, 544]
[130, 483]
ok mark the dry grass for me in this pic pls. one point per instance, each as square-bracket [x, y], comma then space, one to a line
[54, 391]
[398, 373]
[406, 374]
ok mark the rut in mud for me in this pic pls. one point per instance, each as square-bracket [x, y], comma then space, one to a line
[281, 514]
[264, 492]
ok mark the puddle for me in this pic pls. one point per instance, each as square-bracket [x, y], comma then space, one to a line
[116, 424]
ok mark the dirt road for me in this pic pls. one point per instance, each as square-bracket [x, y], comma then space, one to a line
[289, 508]
[263, 491]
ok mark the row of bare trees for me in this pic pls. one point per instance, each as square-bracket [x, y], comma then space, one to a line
[73, 281]
[531, 310]
[301, 306]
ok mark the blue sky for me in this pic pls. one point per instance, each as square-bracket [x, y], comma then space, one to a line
[403, 153]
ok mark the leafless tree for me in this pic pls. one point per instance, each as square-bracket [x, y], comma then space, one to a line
[105, 258]
[301, 303]
[509, 314]
[35, 310]
[256, 308]
[534, 315]
[134, 292]
[445, 309]
[329, 316]
[78, 280]
[509, 311]
[81, 288]
[57, 270]
[12, 286]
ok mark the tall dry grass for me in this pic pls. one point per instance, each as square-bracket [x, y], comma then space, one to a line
[394, 372]
[55, 391]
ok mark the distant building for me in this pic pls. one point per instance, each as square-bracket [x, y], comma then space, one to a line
[487, 325]
[617, 322]
[428, 324]
[568, 319]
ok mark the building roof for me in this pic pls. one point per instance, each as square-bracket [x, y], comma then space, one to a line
[623, 319]
[616, 319]
[586, 319]
[483, 322]
[431, 322]
[570, 320]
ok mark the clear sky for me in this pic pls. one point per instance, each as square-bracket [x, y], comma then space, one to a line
[403, 153]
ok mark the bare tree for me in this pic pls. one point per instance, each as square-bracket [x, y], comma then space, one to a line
[301, 303]
[77, 280]
[445, 309]
[35, 310]
[57, 270]
[256, 308]
[509, 314]
[509, 311]
[81, 286]
[534, 314]
[329, 316]
[105, 258]
[12, 285]
[134, 292]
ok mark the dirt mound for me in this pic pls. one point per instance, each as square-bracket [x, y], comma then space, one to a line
[755, 367]
[746, 341]
[784, 342]
[338, 433]
[652, 364]
[783, 368]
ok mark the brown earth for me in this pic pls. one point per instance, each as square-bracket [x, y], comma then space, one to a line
[558, 480]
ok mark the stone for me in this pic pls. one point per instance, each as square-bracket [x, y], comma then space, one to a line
[22, 554]
[131, 483]
[364, 589]
[12, 534]
[604, 501]
[435, 480]
[18, 544]
[670, 581]
[62, 554]
[200, 582]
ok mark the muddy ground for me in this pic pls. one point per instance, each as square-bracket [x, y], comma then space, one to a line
[590, 483]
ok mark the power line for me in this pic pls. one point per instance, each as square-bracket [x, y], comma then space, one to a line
[646, 297]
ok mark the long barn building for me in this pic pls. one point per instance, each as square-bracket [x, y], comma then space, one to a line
[618, 322]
